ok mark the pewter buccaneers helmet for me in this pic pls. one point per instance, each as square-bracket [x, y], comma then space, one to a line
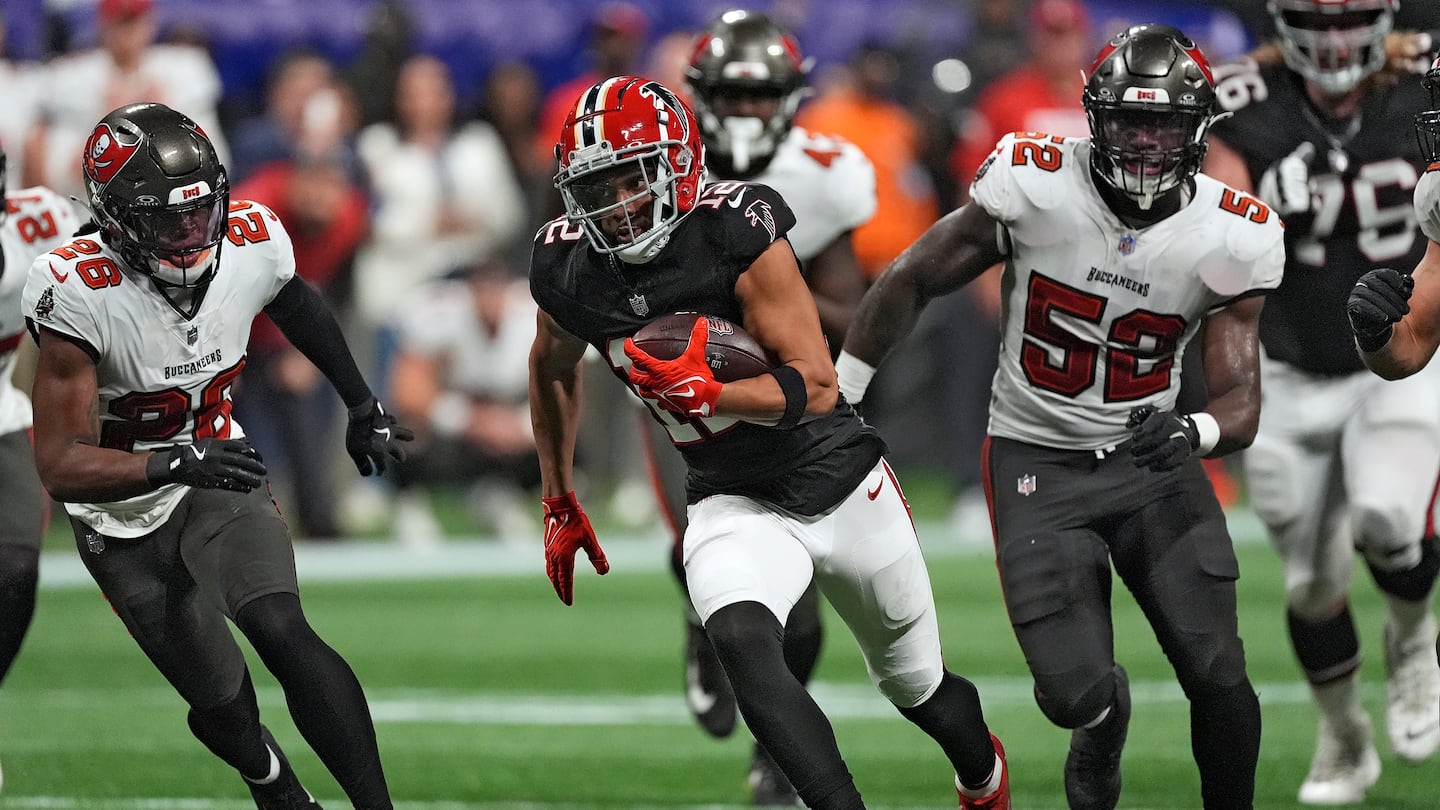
[1334, 43]
[745, 53]
[158, 192]
[639, 128]
[1150, 99]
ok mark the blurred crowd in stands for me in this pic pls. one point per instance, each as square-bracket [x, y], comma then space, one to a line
[408, 147]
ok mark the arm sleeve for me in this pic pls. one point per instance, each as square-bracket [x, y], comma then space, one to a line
[306, 320]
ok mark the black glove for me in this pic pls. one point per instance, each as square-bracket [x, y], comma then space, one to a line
[231, 464]
[1379, 299]
[373, 435]
[1161, 440]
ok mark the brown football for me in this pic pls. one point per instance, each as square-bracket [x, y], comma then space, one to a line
[730, 351]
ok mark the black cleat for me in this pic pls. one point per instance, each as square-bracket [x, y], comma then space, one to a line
[286, 792]
[707, 687]
[769, 786]
[1092, 770]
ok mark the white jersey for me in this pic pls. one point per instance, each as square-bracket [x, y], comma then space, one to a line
[37, 220]
[164, 379]
[1096, 314]
[1427, 202]
[829, 184]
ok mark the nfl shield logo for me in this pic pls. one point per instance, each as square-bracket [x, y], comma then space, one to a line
[1025, 484]
[192, 336]
[1127, 245]
[639, 305]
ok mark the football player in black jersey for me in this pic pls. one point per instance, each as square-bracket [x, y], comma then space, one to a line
[1343, 461]
[747, 77]
[786, 484]
[1117, 254]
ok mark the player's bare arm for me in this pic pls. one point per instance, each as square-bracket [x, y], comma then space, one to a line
[555, 402]
[780, 314]
[1417, 334]
[1231, 356]
[68, 455]
[953, 252]
[838, 284]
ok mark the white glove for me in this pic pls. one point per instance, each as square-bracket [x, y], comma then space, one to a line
[1285, 186]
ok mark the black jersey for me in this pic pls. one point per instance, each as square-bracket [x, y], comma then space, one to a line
[603, 300]
[1363, 175]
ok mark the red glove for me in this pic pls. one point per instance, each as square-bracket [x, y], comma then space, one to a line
[685, 385]
[567, 530]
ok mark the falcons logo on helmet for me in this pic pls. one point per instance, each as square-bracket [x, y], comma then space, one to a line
[106, 153]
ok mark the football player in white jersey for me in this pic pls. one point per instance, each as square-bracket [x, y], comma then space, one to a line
[1344, 468]
[142, 322]
[32, 221]
[1116, 251]
[746, 78]
[1396, 316]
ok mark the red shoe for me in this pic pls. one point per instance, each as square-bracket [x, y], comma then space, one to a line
[998, 800]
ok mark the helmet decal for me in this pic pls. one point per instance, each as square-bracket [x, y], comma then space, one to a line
[107, 152]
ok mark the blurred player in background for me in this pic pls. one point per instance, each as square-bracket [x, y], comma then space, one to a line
[142, 322]
[1342, 462]
[746, 77]
[1116, 254]
[785, 483]
[32, 222]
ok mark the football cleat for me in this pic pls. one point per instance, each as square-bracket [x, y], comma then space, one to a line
[1412, 689]
[707, 687]
[286, 792]
[768, 786]
[999, 798]
[1092, 769]
[1345, 764]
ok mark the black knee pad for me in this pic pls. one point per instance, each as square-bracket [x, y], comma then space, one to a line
[748, 640]
[19, 572]
[1327, 650]
[1413, 584]
[1068, 704]
[1215, 665]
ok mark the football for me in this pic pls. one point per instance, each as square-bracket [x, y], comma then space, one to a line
[730, 351]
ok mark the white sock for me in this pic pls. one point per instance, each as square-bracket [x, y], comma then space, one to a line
[1407, 616]
[1339, 701]
[990, 786]
[274, 770]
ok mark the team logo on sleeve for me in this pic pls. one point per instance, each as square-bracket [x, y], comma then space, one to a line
[45, 307]
[107, 152]
[759, 214]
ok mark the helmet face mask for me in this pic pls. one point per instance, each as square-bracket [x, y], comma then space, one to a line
[1150, 100]
[1427, 124]
[159, 194]
[1334, 43]
[631, 166]
[747, 78]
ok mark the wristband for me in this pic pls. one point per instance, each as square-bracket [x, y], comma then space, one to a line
[1207, 431]
[797, 397]
[854, 376]
[158, 471]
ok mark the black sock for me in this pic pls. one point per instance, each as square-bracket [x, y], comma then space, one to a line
[952, 716]
[1225, 739]
[19, 571]
[778, 710]
[324, 697]
[231, 731]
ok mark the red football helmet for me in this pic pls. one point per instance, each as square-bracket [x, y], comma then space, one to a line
[628, 142]
[1334, 43]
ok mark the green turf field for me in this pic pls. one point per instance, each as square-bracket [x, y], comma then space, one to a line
[488, 693]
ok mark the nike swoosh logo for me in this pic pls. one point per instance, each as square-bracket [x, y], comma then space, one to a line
[60, 277]
[687, 391]
[700, 701]
[199, 454]
[875, 493]
[1424, 732]
[734, 202]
